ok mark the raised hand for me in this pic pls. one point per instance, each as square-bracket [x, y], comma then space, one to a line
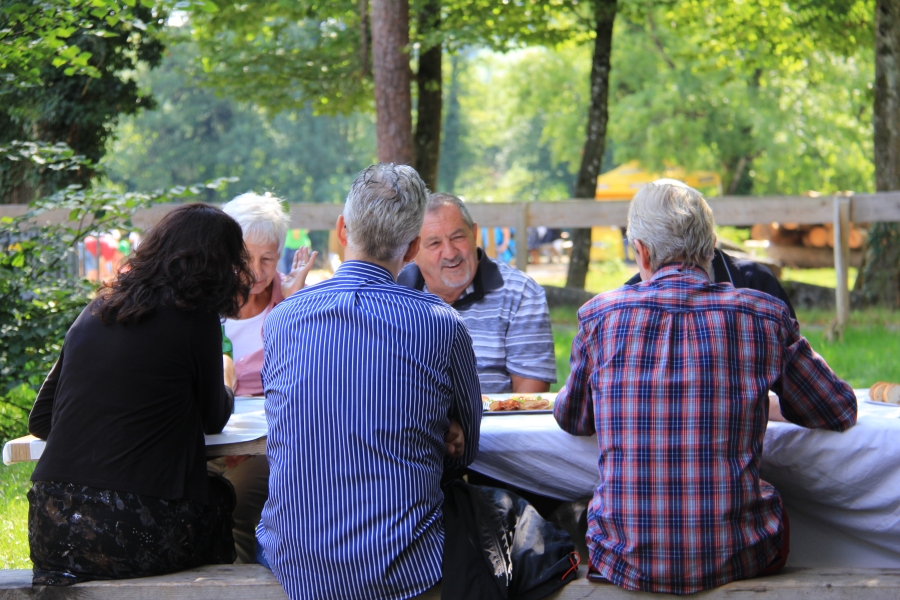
[300, 268]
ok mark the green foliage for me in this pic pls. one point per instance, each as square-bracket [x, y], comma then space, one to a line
[76, 106]
[39, 297]
[285, 55]
[195, 135]
[769, 111]
[35, 33]
[799, 119]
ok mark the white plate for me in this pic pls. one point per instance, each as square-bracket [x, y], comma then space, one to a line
[551, 396]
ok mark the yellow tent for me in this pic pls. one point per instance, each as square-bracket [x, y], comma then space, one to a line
[622, 183]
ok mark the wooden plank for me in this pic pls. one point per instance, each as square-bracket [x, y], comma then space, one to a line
[23, 449]
[211, 582]
[749, 210]
[728, 210]
[491, 214]
[578, 213]
[842, 206]
[521, 225]
[20, 449]
[871, 208]
[233, 582]
[257, 446]
[315, 216]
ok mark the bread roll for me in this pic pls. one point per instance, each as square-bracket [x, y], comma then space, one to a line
[891, 393]
[875, 392]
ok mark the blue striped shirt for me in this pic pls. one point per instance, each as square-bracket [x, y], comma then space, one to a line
[361, 376]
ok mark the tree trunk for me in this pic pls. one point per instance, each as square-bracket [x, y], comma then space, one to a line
[427, 141]
[881, 275]
[452, 150]
[595, 136]
[390, 67]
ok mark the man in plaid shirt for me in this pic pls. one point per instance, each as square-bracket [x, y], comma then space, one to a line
[673, 375]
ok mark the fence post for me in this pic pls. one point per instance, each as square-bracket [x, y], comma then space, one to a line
[522, 237]
[842, 259]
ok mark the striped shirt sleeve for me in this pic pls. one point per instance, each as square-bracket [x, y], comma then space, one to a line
[466, 406]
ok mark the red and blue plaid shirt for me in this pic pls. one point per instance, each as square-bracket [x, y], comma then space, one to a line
[673, 376]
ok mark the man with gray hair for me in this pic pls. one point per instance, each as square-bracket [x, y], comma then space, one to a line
[673, 376]
[506, 311]
[371, 391]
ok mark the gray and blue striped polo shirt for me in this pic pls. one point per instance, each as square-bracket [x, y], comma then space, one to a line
[507, 316]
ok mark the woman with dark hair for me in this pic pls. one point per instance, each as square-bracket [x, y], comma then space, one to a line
[121, 489]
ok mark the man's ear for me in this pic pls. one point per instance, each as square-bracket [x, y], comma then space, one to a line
[341, 228]
[475, 232]
[412, 250]
[641, 254]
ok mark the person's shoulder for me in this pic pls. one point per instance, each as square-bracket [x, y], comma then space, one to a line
[758, 301]
[622, 297]
[517, 281]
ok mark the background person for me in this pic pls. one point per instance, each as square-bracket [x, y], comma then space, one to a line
[264, 224]
[121, 489]
[505, 310]
[673, 376]
[371, 391]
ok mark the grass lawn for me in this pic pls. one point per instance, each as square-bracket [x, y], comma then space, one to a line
[14, 483]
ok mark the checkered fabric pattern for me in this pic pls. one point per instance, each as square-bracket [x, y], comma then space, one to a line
[673, 376]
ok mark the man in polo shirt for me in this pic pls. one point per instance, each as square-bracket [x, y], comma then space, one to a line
[504, 309]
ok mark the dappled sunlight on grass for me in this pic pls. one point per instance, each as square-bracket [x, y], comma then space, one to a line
[823, 277]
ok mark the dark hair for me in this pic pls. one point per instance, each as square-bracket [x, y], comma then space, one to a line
[193, 259]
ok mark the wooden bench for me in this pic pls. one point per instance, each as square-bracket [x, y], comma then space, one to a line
[240, 582]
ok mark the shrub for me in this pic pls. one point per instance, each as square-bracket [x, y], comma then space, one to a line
[40, 296]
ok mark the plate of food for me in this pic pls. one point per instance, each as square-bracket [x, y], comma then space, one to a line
[884, 394]
[518, 404]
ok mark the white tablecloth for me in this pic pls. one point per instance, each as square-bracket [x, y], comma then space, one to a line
[841, 490]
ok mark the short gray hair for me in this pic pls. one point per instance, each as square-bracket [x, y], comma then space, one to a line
[674, 223]
[261, 217]
[440, 200]
[385, 210]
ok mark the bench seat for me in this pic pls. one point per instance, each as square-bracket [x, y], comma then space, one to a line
[240, 582]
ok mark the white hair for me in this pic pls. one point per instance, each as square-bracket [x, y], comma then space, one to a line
[385, 210]
[674, 223]
[262, 218]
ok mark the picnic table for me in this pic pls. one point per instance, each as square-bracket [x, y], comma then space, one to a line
[841, 490]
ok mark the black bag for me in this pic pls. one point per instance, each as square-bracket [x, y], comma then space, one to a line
[497, 546]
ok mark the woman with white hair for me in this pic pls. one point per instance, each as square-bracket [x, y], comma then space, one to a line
[264, 224]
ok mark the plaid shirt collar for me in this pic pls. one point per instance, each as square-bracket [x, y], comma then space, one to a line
[692, 273]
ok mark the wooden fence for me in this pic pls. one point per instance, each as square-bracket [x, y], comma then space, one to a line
[728, 210]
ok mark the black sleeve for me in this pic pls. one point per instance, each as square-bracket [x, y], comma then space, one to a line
[759, 277]
[634, 280]
[41, 417]
[216, 400]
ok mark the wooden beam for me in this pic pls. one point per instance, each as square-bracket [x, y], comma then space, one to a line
[750, 210]
[233, 582]
[728, 210]
[578, 213]
[521, 225]
[871, 208]
[842, 206]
